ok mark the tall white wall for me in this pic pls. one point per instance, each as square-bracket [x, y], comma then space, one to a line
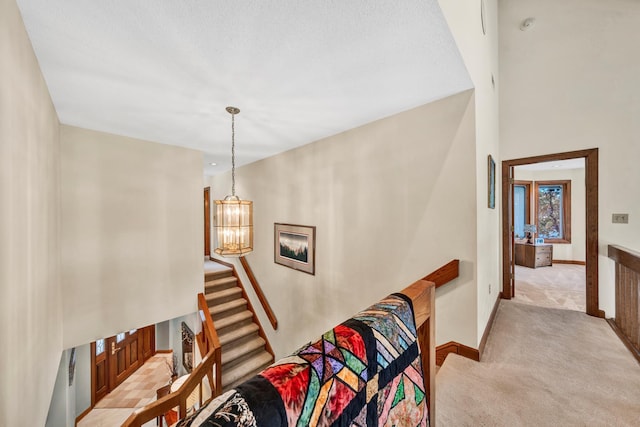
[571, 83]
[30, 306]
[132, 241]
[392, 201]
[480, 54]
[576, 250]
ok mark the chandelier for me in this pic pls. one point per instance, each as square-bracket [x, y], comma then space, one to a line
[234, 217]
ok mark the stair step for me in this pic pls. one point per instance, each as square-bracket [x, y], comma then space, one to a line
[237, 353]
[219, 284]
[249, 368]
[228, 321]
[225, 295]
[237, 333]
[220, 310]
[217, 274]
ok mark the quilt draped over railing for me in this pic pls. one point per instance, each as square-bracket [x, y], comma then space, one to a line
[366, 371]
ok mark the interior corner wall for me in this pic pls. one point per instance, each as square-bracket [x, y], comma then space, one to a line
[578, 94]
[479, 50]
[30, 307]
[392, 201]
[576, 250]
[132, 239]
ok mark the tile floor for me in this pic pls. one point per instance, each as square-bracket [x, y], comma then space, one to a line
[135, 392]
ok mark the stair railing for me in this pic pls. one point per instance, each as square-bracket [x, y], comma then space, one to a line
[627, 321]
[209, 367]
[258, 290]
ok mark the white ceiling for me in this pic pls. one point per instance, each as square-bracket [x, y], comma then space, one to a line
[165, 70]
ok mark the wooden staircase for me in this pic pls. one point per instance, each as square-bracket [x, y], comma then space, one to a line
[245, 351]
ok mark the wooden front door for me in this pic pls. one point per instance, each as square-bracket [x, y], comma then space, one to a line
[115, 358]
[124, 356]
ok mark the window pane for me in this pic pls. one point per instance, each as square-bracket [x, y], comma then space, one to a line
[133, 331]
[550, 211]
[99, 347]
[120, 336]
[519, 210]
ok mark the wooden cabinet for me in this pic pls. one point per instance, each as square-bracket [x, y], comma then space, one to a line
[533, 256]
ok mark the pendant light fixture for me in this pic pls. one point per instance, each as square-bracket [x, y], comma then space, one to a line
[234, 217]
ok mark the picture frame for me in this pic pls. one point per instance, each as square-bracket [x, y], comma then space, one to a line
[72, 366]
[539, 241]
[492, 183]
[295, 247]
[187, 347]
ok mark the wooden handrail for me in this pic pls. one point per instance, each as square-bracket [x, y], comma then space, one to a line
[444, 274]
[423, 297]
[627, 257]
[258, 290]
[210, 366]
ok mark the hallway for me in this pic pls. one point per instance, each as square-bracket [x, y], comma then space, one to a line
[542, 366]
[135, 392]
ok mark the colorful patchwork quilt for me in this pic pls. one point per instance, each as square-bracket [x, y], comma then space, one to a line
[364, 372]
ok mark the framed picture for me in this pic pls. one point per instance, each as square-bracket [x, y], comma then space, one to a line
[295, 247]
[539, 240]
[187, 347]
[492, 183]
[72, 366]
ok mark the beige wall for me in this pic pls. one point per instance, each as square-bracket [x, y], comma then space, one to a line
[30, 307]
[571, 83]
[131, 233]
[392, 201]
[480, 54]
[576, 250]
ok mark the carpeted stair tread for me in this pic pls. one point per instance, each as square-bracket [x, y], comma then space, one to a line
[225, 295]
[219, 309]
[237, 333]
[221, 283]
[225, 322]
[239, 351]
[249, 368]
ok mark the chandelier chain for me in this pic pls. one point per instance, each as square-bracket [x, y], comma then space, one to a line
[233, 154]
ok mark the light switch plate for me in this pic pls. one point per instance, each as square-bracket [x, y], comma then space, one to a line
[619, 218]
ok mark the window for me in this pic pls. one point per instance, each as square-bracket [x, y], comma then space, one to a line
[521, 211]
[553, 211]
[99, 347]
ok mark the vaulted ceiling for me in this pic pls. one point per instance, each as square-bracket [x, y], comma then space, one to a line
[300, 71]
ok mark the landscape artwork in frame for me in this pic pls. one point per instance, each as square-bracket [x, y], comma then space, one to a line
[492, 183]
[295, 247]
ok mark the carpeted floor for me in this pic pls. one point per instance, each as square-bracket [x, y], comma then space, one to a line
[542, 367]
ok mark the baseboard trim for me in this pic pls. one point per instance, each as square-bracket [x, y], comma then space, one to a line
[442, 351]
[164, 351]
[83, 414]
[634, 351]
[487, 328]
[567, 261]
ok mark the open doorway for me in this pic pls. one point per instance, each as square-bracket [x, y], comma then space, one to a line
[549, 234]
[558, 231]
